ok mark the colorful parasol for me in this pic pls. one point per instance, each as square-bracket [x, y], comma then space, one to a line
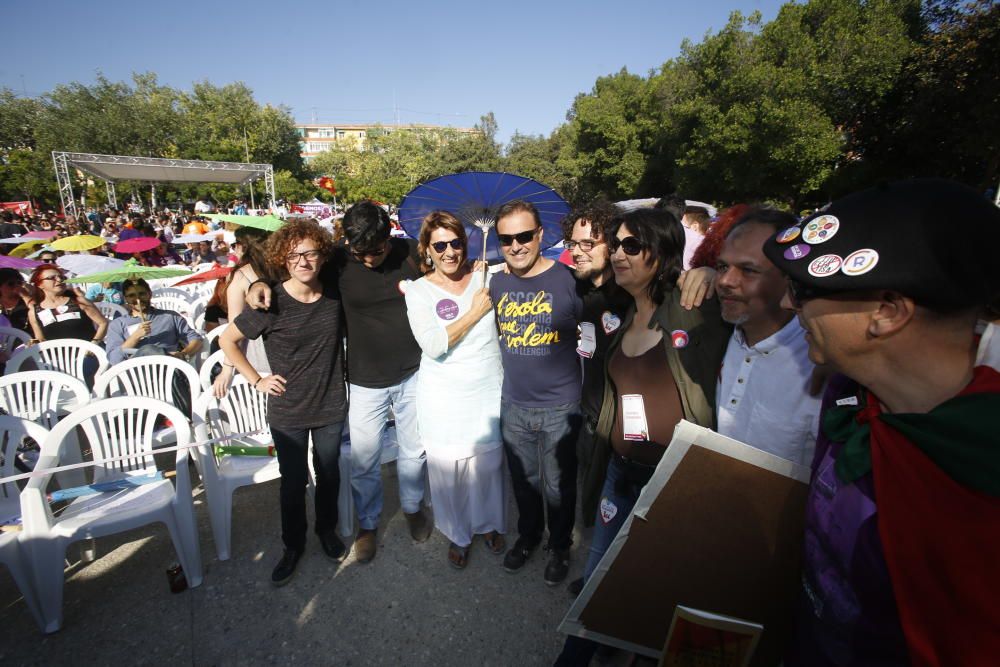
[26, 248]
[8, 262]
[82, 264]
[268, 223]
[137, 244]
[77, 243]
[214, 273]
[131, 270]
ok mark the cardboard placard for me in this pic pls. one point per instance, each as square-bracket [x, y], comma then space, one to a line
[719, 527]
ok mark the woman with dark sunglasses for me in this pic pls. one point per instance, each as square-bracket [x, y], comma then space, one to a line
[661, 367]
[60, 312]
[458, 391]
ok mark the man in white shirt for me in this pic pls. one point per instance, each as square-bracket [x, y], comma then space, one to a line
[763, 395]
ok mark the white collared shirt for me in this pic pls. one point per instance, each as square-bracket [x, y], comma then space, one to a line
[763, 394]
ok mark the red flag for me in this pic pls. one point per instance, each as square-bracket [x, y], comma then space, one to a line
[327, 183]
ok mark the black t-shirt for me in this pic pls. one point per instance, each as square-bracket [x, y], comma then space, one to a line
[604, 309]
[18, 317]
[381, 350]
[66, 321]
[304, 345]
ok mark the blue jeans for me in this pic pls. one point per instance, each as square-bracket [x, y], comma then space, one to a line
[367, 416]
[618, 497]
[293, 461]
[541, 455]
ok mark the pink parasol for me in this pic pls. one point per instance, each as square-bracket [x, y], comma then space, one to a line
[137, 244]
[40, 235]
[9, 262]
[214, 273]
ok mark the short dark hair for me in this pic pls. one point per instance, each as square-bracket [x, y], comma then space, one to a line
[765, 215]
[519, 206]
[8, 274]
[366, 224]
[674, 203]
[661, 233]
[599, 213]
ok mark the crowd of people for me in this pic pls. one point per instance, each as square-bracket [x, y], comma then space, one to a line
[856, 341]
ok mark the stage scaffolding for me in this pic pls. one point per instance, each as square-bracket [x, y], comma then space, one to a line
[112, 168]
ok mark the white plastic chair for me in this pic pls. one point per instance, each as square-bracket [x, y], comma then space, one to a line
[113, 427]
[149, 377]
[65, 355]
[213, 360]
[206, 350]
[45, 397]
[11, 339]
[12, 552]
[111, 310]
[242, 410]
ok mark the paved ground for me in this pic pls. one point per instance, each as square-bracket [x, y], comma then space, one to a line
[408, 607]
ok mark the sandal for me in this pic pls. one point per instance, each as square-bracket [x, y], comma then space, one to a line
[458, 557]
[495, 542]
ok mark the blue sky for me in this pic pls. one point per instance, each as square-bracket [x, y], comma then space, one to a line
[443, 63]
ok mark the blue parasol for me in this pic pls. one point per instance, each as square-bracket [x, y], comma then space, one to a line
[474, 197]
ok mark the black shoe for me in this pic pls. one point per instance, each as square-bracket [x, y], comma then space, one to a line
[332, 546]
[518, 555]
[557, 567]
[575, 587]
[285, 568]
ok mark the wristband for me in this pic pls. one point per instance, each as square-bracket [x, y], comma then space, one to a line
[258, 381]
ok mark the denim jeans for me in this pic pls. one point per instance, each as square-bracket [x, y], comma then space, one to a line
[618, 497]
[541, 455]
[293, 462]
[367, 416]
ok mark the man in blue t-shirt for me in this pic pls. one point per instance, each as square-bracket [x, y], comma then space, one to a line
[537, 309]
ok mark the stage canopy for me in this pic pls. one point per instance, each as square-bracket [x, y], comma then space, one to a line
[112, 168]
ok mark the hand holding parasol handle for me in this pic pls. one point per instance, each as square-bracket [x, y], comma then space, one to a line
[485, 224]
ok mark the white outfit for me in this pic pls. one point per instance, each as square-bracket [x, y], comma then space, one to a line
[989, 348]
[458, 411]
[763, 394]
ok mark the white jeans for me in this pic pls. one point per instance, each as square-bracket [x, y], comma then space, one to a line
[367, 416]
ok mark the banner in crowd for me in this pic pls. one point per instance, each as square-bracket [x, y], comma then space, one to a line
[19, 207]
[315, 209]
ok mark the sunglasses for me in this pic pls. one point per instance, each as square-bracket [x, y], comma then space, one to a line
[630, 245]
[370, 252]
[523, 238]
[456, 244]
[53, 278]
[799, 293]
[586, 245]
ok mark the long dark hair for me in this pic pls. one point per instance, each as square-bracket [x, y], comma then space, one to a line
[662, 235]
[253, 242]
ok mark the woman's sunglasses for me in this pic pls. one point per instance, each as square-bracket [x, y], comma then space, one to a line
[456, 244]
[523, 238]
[630, 245]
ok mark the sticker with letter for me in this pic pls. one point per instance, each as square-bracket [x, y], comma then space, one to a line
[825, 265]
[788, 235]
[634, 418]
[608, 511]
[446, 309]
[797, 251]
[610, 322]
[679, 338]
[588, 340]
[850, 400]
[859, 262]
[821, 229]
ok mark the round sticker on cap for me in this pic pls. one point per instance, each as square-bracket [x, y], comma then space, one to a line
[788, 235]
[859, 262]
[679, 338]
[825, 265]
[797, 251]
[447, 309]
[820, 230]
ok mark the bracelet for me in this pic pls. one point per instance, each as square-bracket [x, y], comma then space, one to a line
[258, 381]
[228, 365]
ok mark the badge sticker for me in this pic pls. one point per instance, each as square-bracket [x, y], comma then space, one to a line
[588, 340]
[821, 229]
[610, 321]
[859, 262]
[679, 338]
[788, 235]
[850, 400]
[797, 251]
[634, 426]
[608, 511]
[447, 309]
[825, 265]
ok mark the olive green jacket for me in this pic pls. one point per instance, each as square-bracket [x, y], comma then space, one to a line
[695, 367]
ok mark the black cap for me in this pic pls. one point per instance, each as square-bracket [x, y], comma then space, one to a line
[931, 239]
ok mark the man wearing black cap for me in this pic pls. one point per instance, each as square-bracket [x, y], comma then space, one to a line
[902, 539]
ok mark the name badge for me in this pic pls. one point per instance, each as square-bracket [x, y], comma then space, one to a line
[634, 418]
[45, 318]
[588, 340]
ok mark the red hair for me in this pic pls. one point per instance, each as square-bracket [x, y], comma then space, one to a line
[707, 253]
